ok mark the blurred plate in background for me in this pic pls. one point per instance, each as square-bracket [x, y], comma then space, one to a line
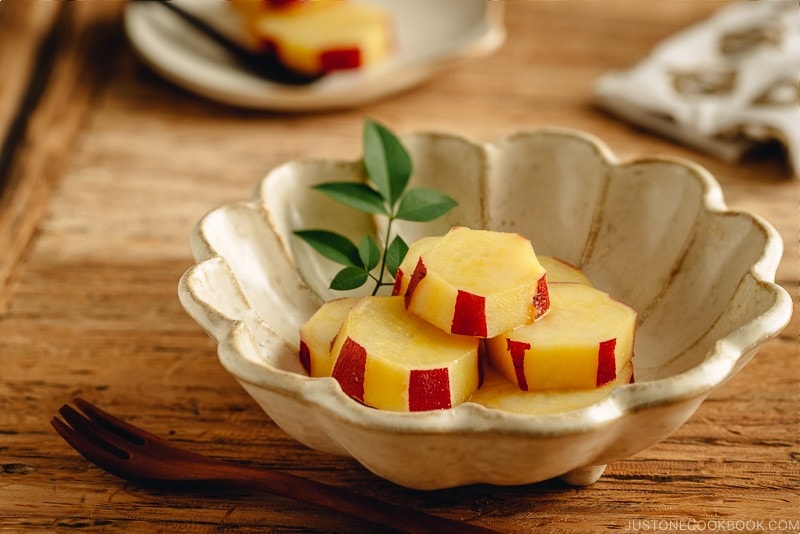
[429, 36]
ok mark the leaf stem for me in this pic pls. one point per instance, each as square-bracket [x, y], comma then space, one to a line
[383, 256]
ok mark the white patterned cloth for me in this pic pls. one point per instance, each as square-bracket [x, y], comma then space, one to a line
[722, 85]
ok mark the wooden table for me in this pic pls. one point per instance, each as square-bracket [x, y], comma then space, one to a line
[105, 168]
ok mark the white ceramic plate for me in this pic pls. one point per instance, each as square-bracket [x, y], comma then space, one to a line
[654, 233]
[430, 35]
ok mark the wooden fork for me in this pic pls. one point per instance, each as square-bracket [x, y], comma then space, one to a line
[133, 454]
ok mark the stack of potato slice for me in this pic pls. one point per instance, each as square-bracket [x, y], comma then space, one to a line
[457, 299]
[319, 36]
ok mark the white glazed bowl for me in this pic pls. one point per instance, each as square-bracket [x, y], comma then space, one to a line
[654, 233]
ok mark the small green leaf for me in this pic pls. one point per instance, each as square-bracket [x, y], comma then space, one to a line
[387, 163]
[395, 254]
[388, 166]
[369, 252]
[358, 196]
[333, 246]
[349, 278]
[422, 204]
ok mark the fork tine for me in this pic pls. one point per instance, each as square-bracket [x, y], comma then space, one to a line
[91, 450]
[87, 428]
[133, 435]
[115, 424]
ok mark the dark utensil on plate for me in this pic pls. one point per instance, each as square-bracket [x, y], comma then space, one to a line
[133, 454]
[262, 64]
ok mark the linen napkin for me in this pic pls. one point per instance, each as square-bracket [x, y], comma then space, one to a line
[721, 85]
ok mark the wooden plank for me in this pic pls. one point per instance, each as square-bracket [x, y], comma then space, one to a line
[25, 37]
[65, 71]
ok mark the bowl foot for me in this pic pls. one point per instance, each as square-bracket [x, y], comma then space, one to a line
[583, 476]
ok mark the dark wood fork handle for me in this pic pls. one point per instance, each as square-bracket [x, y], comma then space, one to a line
[338, 499]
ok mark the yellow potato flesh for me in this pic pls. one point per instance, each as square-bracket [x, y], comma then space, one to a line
[499, 393]
[562, 350]
[475, 282]
[398, 346]
[484, 262]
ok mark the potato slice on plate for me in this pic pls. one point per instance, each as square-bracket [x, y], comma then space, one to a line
[319, 37]
[499, 393]
[583, 342]
[559, 270]
[477, 283]
[316, 336]
[390, 359]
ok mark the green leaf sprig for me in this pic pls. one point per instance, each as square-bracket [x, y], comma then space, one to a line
[388, 168]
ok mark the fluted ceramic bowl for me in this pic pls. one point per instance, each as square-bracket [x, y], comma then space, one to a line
[654, 233]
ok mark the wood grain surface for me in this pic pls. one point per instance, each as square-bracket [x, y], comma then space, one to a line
[105, 168]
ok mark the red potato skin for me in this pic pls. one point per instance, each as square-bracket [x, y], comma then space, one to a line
[350, 368]
[268, 46]
[305, 357]
[606, 362]
[429, 389]
[420, 271]
[340, 59]
[281, 3]
[469, 315]
[517, 350]
[541, 300]
[330, 60]
[398, 279]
